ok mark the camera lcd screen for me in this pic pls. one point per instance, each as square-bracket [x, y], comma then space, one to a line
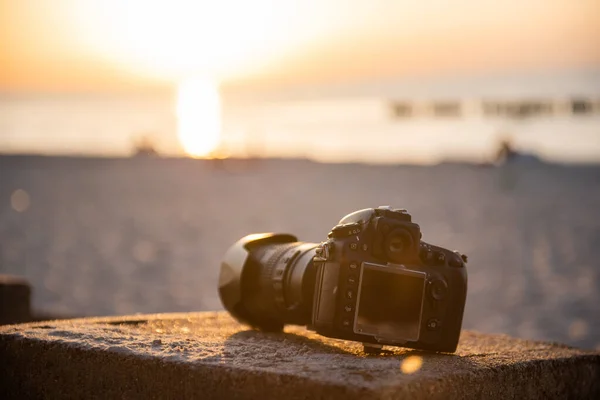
[390, 302]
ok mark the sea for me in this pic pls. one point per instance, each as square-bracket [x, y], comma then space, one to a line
[554, 116]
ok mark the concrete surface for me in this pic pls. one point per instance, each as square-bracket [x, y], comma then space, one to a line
[208, 355]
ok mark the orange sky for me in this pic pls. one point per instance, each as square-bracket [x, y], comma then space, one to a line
[102, 45]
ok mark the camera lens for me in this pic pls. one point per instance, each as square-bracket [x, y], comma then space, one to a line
[267, 281]
[397, 244]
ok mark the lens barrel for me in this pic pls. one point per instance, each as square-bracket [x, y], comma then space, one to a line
[267, 281]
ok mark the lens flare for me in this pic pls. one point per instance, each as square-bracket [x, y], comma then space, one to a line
[411, 364]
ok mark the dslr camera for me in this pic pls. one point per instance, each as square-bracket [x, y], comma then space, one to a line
[373, 281]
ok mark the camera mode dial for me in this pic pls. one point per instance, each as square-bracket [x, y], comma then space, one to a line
[345, 230]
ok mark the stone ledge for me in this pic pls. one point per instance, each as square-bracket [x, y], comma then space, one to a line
[15, 294]
[208, 355]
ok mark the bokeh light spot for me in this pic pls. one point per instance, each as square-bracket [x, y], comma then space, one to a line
[578, 329]
[411, 364]
[19, 200]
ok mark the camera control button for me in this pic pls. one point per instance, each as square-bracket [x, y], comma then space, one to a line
[350, 294]
[346, 323]
[348, 308]
[438, 289]
[441, 258]
[433, 324]
[353, 265]
[352, 279]
[432, 257]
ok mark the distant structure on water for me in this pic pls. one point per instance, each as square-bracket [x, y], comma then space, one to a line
[144, 146]
[551, 117]
[512, 109]
[507, 154]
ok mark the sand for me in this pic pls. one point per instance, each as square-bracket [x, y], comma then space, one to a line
[114, 237]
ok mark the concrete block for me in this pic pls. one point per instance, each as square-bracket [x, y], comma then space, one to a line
[209, 355]
[15, 300]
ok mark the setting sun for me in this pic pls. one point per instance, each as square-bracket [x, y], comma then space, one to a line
[198, 116]
[173, 39]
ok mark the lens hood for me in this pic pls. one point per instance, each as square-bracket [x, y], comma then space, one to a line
[232, 270]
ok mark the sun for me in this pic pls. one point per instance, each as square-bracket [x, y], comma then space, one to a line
[198, 116]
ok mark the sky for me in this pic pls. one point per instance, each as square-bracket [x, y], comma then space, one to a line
[64, 45]
[138, 47]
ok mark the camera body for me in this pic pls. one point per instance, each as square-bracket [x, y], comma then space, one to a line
[377, 282]
[373, 281]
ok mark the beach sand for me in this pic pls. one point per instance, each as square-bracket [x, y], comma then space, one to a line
[125, 236]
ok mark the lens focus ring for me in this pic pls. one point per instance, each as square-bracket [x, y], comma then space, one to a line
[274, 272]
[279, 274]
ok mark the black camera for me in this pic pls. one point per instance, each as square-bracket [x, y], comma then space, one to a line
[373, 280]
